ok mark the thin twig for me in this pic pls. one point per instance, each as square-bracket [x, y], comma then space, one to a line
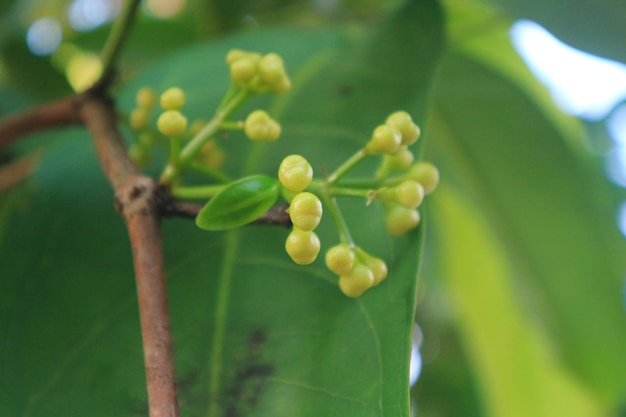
[58, 113]
[169, 207]
[116, 39]
[134, 197]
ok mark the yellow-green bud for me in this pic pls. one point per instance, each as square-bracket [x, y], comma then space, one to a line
[385, 139]
[357, 281]
[235, 55]
[340, 259]
[426, 174]
[259, 126]
[243, 70]
[172, 123]
[272, 73]
[138, 118]
[376, 265]
[401, 219]
[146, 98]
[305, 211]
[402, 121]
[401, 159]
[302, 246]
[408, 193]
[295, 173]
[172, 99]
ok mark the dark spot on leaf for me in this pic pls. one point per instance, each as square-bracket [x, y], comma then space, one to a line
[249, 379]
[344, 89]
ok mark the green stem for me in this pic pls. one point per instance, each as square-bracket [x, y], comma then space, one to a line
[210, 172]
[203, 192]
[175, 145]
[346, 166]
[340, 223]
[231, 125]
[349, 192]
[192, 148]
[117, 37]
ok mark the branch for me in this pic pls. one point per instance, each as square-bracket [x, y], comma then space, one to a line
[134, 198]
[59, 113]
[169, 207]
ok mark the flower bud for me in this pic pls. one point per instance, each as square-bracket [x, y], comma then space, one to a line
[357, 281]
[426, 174]
[385, 139]
[302, 246]
[402, 121]
[401, 219]
[173, 99]
[295, 173]
[172, 123]
[340, 259]
[305, 211]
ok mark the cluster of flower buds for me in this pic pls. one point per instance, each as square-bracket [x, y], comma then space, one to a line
[259, 126]
[358, 271]
[305, 210]
[258, 73]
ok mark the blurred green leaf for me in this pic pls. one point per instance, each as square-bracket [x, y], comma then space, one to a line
[551, 209]
[518, 372]
[254, 333]
[240, 203]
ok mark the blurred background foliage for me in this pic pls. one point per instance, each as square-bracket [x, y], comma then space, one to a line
[521, 294]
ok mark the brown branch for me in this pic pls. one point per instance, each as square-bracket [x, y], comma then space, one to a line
[169, 207]
[134, 197]
[57, 113]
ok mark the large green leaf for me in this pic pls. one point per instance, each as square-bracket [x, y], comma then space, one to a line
[254, 334]
[552, 211]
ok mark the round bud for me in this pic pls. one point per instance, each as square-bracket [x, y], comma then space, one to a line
[401, 159]
[173, 99]
[243, 70]
[235, 55]
[376, 265]
[305, 211]
[385, 139]
[302, 246]
[402, 121]
[401, 219]
[409, 193]
[138, 118]
[271, 69]
[426, 174]
[259, 126]
[340, 259]
[172, 123]
[357, 281]
[295, 173]
[378, 268]
[146, 98]
[138, 154]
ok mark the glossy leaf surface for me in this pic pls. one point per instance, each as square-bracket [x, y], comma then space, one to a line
[240, 203]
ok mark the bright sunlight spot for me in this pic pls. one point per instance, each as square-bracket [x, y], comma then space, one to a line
[85, 15]
[44, 36]
[415, 368]
[582, 84]
[164, 9]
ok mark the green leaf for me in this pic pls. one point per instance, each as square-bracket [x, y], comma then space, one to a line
[254, 334]
[516, 369]
[239, 203]
[547, 201]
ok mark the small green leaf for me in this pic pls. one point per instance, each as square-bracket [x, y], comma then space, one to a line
[240, 203]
